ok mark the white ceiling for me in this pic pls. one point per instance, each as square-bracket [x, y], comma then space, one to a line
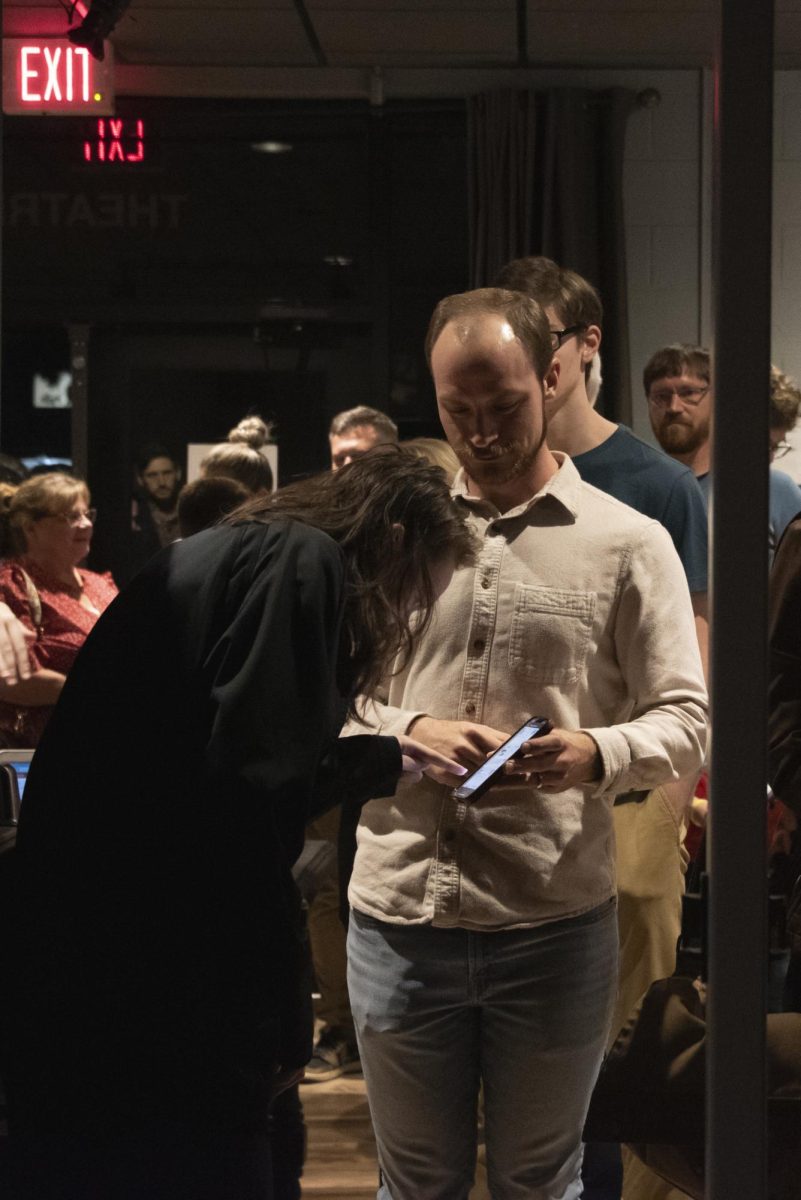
[339, 47]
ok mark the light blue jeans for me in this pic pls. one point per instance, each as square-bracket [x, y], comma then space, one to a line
[438, 1011]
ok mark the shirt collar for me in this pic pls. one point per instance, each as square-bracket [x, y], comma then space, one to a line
[564, 487]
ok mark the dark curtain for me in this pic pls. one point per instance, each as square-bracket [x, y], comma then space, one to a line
[546, 177]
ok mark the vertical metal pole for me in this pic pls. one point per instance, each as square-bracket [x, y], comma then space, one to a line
[79, 395]
[743, 124]
[378, 149]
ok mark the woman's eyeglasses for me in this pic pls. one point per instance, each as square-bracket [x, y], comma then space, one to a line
[74, 519]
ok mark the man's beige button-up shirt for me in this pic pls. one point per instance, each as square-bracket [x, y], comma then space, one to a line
[578, 610]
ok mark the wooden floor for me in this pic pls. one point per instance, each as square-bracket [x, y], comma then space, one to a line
[340, 1160]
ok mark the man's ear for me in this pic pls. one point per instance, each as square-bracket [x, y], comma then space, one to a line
[590, 343]
[551, 379]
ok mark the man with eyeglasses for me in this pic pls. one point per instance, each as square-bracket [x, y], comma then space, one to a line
[608, 455]
[650, 858]
[678, 387]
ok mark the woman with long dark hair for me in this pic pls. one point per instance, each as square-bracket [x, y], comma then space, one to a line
[160, 993]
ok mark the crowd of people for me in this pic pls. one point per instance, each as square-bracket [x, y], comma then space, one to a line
[326, 662]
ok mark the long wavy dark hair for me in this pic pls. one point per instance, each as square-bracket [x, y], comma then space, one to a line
[393, 516]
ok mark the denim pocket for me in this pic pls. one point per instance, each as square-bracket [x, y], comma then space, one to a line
[550, 633]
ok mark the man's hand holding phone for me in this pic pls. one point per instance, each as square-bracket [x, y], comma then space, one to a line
[553, 761]
[558, 760]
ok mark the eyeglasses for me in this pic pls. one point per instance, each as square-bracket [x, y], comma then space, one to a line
[74, 519]
[780, 448]
[686, 395]
[561, 335]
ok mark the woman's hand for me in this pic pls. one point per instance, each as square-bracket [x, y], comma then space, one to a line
[14, 661]
[463, 742]
[419, 760]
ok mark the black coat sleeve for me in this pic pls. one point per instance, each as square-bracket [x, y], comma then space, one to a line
[355, 770]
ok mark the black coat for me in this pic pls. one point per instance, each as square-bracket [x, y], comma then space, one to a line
[159, 958]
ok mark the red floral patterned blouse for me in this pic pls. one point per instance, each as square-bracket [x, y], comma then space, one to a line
[65, 624]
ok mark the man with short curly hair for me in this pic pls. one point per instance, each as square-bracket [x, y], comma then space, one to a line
[785, 401]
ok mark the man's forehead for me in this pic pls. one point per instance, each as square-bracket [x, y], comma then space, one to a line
[465, 347]
[685, 375]
[480, 327]
[356, 433]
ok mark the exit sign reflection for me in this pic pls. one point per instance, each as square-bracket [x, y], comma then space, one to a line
[120, 141]
[50, 75]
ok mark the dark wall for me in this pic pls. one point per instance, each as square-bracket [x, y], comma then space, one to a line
[295, 284]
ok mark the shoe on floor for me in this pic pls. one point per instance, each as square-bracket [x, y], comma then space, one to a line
[334, 1054]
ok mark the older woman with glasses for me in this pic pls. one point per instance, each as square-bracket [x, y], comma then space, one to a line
[45, 533]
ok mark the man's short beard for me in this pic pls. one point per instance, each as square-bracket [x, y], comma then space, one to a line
[509, 462]
[168, 503]
[675, 438]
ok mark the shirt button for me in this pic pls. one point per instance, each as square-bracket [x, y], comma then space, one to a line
[470, 708]
[486, 582]
[478, 646]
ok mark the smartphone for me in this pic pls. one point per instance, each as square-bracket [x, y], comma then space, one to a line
[483, 777]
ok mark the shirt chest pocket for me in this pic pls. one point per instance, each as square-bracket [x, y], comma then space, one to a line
[550, 633]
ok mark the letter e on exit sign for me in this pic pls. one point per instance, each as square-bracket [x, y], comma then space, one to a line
[50, 75]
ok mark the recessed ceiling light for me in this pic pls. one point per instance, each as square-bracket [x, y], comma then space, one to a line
[338, 260]
[271, 147]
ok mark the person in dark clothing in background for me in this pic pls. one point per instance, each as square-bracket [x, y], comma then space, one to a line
[204, 502]
[160, 991]
[154, 506]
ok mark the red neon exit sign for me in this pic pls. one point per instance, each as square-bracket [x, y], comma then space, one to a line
[50, 75]
[116, 141]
